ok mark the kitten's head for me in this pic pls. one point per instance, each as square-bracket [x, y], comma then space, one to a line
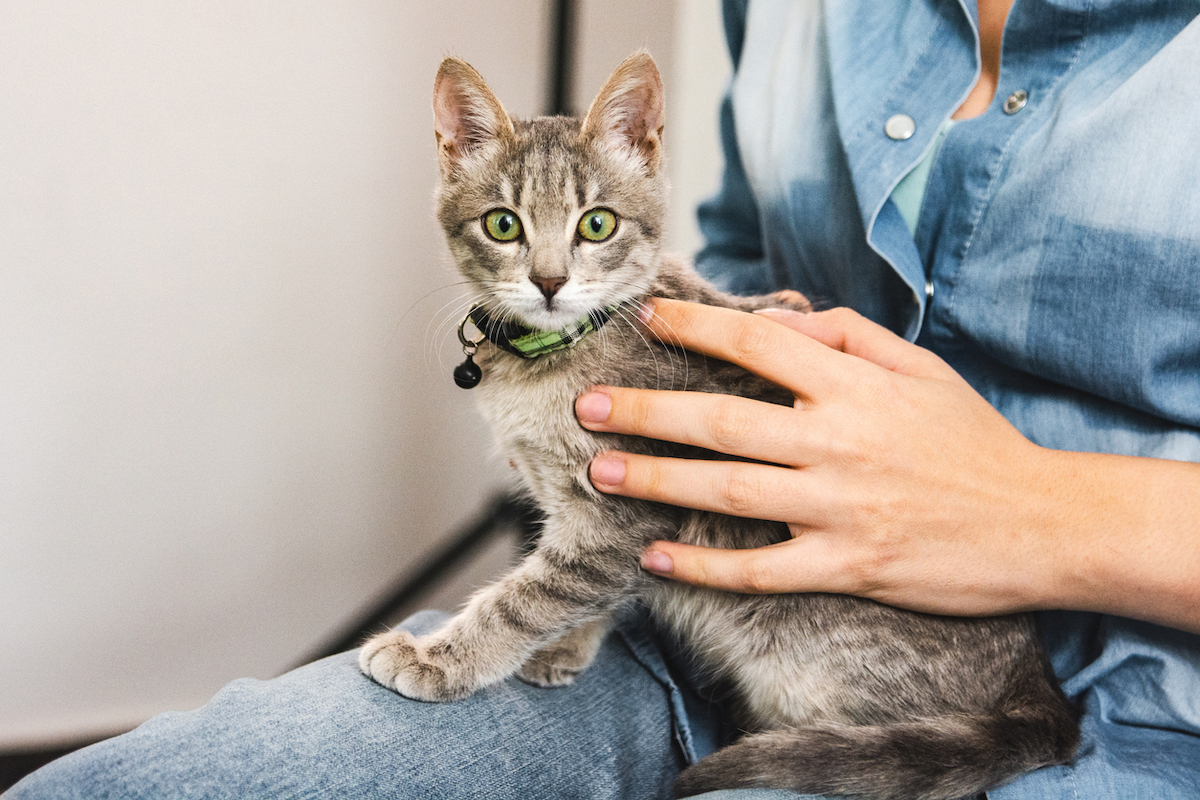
[553, 218]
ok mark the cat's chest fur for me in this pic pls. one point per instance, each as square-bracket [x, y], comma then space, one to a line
[530, 405]
[530, 408]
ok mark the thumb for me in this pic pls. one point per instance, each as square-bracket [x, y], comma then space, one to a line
[773, 569]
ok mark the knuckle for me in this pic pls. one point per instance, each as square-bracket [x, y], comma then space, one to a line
[756, 576]
[876, 556]
[863, 565]
[866, 451]
[647, 478]
[824, 442]
[935, 364]
[886, 392]
[752, 339]
[743, 491]
[729, 424]
[637, 411]
[865, 569]
[843, 315]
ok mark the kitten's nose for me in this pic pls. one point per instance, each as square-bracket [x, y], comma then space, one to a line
[549, 286]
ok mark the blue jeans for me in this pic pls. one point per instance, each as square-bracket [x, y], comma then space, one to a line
[624, 729]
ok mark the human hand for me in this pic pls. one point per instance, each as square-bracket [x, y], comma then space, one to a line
[897, 480]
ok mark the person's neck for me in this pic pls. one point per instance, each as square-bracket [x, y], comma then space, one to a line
[992, 16]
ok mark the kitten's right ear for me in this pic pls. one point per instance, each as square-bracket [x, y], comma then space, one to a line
[628, 113]
[466, 115]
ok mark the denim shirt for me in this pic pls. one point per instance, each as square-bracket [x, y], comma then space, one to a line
[1056, 262]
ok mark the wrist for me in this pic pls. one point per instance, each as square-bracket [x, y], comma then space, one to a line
[1045, 518]
[1073, 574]
[1120, 536]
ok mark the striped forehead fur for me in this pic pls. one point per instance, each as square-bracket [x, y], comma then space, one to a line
[549, 172]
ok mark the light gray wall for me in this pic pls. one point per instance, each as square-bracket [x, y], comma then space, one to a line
[226, 417]
[700, 73]
[226, 324]
[686, 39]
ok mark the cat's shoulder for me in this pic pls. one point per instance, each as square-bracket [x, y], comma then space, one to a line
[677, 279]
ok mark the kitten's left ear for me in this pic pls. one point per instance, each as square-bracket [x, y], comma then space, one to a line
[630, 109]
[466, 115]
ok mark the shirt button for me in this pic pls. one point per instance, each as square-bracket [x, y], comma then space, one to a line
[928, 290]
[900, 127]
[1016, 101]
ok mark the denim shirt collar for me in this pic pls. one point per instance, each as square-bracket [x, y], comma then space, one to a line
[925, 81]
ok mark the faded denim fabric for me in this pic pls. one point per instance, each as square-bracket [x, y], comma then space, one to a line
[1062, 247]
[326, 731]
[1056, 264]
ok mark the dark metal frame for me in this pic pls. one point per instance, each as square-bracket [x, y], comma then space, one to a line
[505, 513]
[561, 78]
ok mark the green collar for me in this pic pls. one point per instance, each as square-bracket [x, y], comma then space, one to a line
[531, 343]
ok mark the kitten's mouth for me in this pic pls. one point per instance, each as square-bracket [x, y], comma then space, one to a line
[552, 314]
[562, 309]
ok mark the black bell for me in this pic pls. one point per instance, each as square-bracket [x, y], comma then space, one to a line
[468, 374]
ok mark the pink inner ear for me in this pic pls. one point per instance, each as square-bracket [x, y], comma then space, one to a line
[634, 121]
[465, 112]
[638, 116]
[452, 118]
[445, 117]
[629, 110]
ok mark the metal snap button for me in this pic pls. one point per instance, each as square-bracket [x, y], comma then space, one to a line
[900, 127]
[1016, 101]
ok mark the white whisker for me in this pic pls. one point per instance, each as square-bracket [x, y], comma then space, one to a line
[634, 326]
[448, 329]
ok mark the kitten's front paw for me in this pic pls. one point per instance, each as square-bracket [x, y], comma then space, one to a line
[406, 664]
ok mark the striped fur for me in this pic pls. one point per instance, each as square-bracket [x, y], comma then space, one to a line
[842, 695]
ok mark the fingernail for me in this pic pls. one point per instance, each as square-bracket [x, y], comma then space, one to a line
[645, 312]
[593, 407]
[657, 561]
[607, 470]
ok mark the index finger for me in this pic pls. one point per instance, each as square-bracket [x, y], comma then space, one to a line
[772, 351]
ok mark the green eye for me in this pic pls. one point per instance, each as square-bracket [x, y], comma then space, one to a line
[502, 225]
[598, 225]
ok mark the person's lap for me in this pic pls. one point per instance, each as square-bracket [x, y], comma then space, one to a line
[325, 730]
[624, 729]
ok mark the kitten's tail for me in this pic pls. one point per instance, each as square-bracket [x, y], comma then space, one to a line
[936, 759]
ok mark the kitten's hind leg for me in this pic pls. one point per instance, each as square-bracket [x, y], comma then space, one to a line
[558, 663]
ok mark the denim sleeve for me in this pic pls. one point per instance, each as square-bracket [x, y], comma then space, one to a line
[733, 255]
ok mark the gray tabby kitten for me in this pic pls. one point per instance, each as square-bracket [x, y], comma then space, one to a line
[556, 219]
